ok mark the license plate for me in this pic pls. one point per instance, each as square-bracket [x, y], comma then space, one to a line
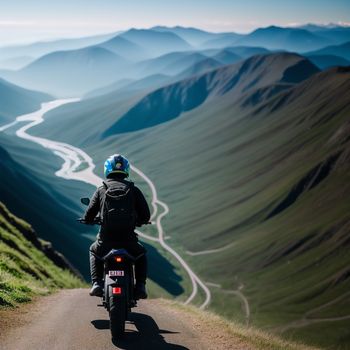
[116, 273]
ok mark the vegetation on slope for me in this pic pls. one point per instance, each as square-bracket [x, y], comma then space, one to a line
[268, 179]
[25, 267]
[27, 188]
[259, 169]
[219, 333]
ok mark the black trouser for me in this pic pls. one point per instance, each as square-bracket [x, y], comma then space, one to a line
[101, 248]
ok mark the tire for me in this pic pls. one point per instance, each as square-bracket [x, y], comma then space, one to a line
[117, 316]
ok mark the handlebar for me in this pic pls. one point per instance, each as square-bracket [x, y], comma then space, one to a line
[97, 221]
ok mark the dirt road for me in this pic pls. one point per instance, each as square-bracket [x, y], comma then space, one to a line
[71, 319]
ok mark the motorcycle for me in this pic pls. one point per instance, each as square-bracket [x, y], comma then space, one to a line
[119, 284]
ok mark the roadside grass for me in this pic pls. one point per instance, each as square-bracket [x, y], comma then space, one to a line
[25, 271]
[312, 331]
[220, 329]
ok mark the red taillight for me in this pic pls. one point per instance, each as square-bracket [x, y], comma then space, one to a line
[116, 290]
[118, 259]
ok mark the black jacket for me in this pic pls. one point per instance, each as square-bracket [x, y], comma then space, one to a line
[95, 207]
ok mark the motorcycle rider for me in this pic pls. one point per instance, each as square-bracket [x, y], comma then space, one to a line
[116, 170]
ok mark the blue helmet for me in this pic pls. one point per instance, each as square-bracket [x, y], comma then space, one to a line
[117, 164]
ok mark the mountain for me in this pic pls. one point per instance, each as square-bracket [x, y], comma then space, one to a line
[156, 43]
[342, 50]
[15, 62]
[184, 62]
[170, 63]
[328, 61]
[125, 48]
[29, 266]
[238, 51]
[38, 49]
[291, 39]
[125, 87]
[117, 111]
[169, 102]
[71, 73]
[176, 66]
[75, 72]
[224, 40]
[226, 56]
[246, 51]
[259, 182]
[117, 85]
[200, 67]
[337, 33]
[15, 100]
[194, 36]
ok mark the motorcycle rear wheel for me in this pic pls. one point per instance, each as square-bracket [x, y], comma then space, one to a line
[117, 316]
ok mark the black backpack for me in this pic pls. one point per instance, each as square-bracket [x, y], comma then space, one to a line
[118, 208]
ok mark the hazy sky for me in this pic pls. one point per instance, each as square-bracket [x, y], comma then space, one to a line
[31, 20]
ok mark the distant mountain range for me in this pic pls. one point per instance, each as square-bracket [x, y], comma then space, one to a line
[38, 49]
[94, 63]
[342, 51]
[83, 68]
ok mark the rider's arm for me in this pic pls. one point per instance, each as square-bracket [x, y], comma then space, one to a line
[93, 208]
[142, 209]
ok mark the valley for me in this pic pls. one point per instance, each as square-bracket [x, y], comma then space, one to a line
[241, 146]
[71, 170]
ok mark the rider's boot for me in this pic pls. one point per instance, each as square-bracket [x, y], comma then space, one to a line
[140, 290]
[96, 290]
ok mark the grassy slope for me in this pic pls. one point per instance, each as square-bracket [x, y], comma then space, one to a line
[47, 202]
[25, 271]
[56, 207]
[222, 334]
[225, 166]
[227, 186]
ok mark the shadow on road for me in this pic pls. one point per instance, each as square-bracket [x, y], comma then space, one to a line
[147, 336]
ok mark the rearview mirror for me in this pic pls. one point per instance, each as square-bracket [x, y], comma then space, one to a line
[85, 201]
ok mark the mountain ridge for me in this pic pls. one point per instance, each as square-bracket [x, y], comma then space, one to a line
[169, 102]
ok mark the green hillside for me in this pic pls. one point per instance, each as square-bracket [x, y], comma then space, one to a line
[258, 169]
[270, 184]
[27, 268]
[46, 202]
[28, 177]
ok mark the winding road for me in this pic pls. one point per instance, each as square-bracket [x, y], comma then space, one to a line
[210, 251]
[78, 165]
